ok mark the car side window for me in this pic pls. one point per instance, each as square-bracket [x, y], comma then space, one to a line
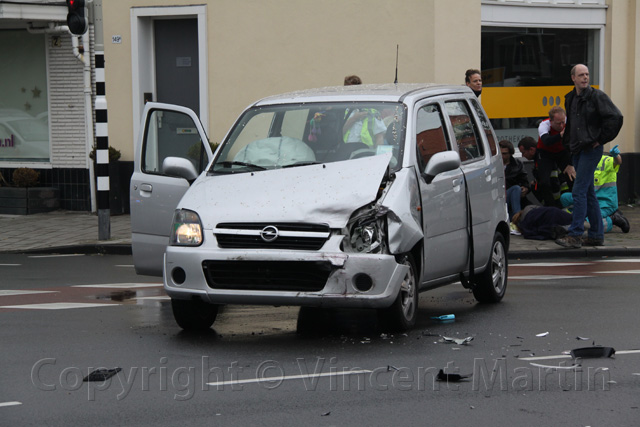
[465, 129]
[486, 127]
[431, 137]
[171, 134]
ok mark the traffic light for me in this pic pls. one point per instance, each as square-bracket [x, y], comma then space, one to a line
[77, 17]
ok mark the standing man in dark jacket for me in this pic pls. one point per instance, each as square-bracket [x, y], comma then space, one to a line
[515, 176]
[592, 121]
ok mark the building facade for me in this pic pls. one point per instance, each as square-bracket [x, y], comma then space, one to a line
[218, 56]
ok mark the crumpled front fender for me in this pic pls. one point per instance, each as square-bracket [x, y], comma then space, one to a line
[404, 220]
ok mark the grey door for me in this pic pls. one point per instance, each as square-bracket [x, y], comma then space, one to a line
[168, 131]
[444, 203]
[176, 53]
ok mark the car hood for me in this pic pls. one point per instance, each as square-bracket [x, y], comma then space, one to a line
[326, 193]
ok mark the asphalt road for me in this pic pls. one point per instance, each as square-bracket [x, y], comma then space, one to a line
[254, 368]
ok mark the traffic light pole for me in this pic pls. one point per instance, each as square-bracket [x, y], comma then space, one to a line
[102, 134]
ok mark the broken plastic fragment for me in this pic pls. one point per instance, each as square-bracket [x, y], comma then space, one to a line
[101, 374]
[445, 317]
[592, 352]
[544, 334]
[582, 339]
[459, 341]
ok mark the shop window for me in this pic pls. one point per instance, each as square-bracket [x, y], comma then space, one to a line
[24, 118]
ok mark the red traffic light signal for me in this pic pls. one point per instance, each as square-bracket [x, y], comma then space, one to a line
[77, 17]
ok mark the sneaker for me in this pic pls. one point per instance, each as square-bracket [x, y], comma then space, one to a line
[570, 242]
[620, 221]
[590, 241]
[514, 229]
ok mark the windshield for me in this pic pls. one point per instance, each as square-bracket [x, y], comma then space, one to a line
[296, 135]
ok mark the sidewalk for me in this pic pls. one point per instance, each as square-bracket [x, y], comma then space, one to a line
[77, 232]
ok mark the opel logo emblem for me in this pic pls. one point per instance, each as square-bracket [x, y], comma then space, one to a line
[269, 233]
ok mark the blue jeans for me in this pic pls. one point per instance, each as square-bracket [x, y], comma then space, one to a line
[513, 200]
[585, 203]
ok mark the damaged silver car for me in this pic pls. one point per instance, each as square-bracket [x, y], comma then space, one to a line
[359, 196]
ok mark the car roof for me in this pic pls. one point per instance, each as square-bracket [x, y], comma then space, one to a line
[388, 92]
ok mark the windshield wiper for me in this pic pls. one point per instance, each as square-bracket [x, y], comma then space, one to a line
[235, 163]
[293, 165]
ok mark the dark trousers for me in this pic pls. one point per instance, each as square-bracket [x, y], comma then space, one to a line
[547, 163]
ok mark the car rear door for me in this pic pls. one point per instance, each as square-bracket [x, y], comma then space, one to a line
[444, 211]
[166, 131]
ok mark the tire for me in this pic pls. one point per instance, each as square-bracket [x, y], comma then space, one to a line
[194, 315]
[491, 284]
[402, 314]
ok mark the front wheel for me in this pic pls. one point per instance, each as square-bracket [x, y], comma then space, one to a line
[491, 284]
[403, 313]
[194, 315]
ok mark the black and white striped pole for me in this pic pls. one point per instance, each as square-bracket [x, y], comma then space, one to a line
[102, 152]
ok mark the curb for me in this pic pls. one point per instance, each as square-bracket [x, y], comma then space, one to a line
[89, 249]
[575, 253]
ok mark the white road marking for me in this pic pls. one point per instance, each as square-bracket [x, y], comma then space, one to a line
[619, 272]
[550, 264]
[620, 260]
[124, 265]
[58, 306]
[11, 292]
[10, 403]
[121, 285]
[10, 265]
[568, 356]
[289, 377]
[547, 277]
[159, 298]
[55, 256]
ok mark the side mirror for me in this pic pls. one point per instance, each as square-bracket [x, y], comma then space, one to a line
[441, 162]
[182, 168]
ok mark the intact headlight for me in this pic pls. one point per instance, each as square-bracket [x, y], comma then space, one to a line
[186, 228]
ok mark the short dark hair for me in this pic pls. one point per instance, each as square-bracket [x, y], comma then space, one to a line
[352, 80]
[470, 72]
[527, 142]
[508, 145]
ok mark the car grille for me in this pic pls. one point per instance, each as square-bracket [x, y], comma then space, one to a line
[292, 236]
[304, 276]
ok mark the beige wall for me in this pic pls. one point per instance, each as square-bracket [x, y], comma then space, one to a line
[622, 68]
[264, 47]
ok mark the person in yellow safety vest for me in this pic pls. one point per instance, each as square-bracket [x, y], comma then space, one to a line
[604, 180]
[364, 125]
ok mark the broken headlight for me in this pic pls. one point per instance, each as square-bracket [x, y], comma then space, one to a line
[366, 233]
[186, 228]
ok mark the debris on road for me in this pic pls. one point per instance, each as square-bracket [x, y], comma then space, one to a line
[459, 341]
[454, 378]
[444, 317]
[592, 352]
[544, 334]
[101, 374]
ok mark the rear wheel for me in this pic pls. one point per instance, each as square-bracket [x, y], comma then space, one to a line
[491, 284]
[194, 315]
[403, 313]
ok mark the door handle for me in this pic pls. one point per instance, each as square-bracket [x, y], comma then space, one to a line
[456, 182]
[148, 188]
